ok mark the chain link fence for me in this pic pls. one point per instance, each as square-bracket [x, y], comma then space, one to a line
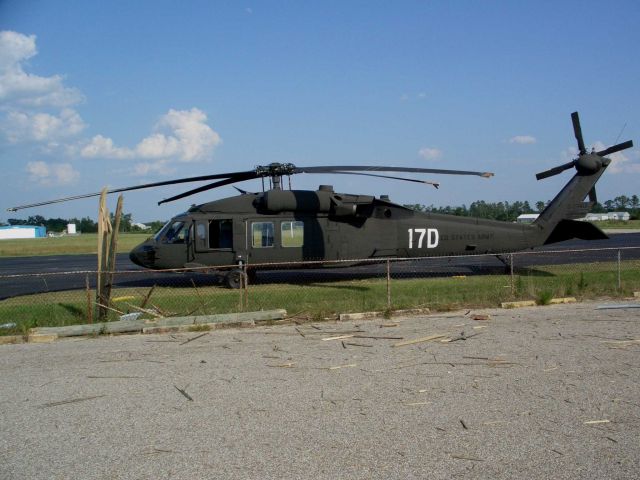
[319, 290]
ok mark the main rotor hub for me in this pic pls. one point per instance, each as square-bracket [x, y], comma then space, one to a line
[275, 169]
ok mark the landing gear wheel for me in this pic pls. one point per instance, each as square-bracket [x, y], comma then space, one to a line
[234, 279]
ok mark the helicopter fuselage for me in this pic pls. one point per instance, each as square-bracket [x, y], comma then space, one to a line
[297, 226]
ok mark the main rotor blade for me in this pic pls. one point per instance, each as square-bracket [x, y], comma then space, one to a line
[204, 188]
[555, 170]
[136, 187]
[415, 180]
[616, 148]
[578, 132]
[275, 169]
[360, 168]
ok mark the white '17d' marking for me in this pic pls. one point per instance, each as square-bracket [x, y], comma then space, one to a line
[431, 233]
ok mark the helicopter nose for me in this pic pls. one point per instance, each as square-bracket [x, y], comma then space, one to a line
[143, 255]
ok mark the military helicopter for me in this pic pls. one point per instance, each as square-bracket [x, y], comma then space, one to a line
[279, 225]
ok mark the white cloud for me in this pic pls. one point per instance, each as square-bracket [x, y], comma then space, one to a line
[523, 139]
[102, 147]
[39, 110]
[430, 153]
[16, 48]
[23, 126]
[52, 174]
[571, 153]
[35, 109]
[19, 88]
[180, 135]
[161, 167]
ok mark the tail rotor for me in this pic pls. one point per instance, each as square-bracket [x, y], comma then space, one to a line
[586, 163]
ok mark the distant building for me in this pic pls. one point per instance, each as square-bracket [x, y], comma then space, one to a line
[527, 217]
[596, 217]
[22, 231]
[623, 216]
[603, 217]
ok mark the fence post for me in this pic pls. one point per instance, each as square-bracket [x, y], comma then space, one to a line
[513, 284]
[619, 268]
[89, 300]
[388, 284]
[245, 286]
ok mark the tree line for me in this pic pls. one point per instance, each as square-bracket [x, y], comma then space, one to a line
[510, 211]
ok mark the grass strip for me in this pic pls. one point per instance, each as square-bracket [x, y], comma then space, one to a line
[87, 243]
[322, 300]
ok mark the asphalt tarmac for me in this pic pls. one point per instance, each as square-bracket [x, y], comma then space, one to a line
[543, 392]
[47, 273]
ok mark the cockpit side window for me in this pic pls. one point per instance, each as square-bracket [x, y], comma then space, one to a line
[176, 233]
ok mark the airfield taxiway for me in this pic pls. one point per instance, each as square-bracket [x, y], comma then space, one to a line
[49, 268]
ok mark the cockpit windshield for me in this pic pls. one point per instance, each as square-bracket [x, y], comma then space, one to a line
[160, 233]
[173, 232]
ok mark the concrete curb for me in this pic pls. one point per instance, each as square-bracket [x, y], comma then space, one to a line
[558, 301]
[345, 317]
[9, 339]
[520, 304]
[532, 303]
[204, 322]
[185, 324]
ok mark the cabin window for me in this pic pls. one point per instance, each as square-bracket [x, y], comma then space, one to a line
[262, 234]
[201, 232]
[220, 234]
[292, 234]
[176, 233]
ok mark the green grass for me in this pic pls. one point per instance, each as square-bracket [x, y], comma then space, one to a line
[67, 245]
[613, 224]
[319, 300]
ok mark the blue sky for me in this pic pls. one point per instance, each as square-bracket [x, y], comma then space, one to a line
[121, 93]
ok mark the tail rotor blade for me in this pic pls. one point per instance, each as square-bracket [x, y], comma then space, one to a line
[575, 119]
[555, 171]
[616, 148]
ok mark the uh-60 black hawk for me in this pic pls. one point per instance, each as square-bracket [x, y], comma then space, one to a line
[279, 225]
